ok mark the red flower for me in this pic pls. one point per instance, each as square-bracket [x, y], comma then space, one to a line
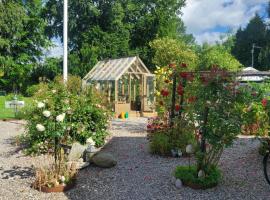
[164, 92]
[191, 99]
[264, 102]
[184, 65]
[184, 74]
[177, 107]
[180, 90]
[166, 81]
[149, 126]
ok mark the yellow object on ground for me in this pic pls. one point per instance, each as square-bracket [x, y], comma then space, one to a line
[122, 115]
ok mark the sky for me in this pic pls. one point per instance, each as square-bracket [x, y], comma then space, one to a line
[208, 20]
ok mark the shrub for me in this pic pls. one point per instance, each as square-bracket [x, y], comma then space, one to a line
[84, 118]
[189, 176]
[160, 144]
[32, 90]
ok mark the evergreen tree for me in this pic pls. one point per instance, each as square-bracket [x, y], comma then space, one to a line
[254, 33]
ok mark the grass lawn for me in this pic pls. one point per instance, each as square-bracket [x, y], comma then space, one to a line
[7, 113]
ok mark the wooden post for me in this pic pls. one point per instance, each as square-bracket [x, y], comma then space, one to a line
[116, 92]
[129, 88]
[109, 91]
[182, 98]
[173, 100]
[144, 93]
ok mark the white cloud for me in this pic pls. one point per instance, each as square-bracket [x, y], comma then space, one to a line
[202, 16]
[210, 37]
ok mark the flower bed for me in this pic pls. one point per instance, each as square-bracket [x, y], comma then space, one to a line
[189, 176]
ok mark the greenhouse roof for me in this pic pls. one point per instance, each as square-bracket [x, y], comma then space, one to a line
[114, 69]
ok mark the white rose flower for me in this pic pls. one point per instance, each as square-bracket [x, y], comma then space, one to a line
[90, 141]
[40, 105]
[40, 127]
[189, 149]
[62, 179]
[46, 113]
[60, 118]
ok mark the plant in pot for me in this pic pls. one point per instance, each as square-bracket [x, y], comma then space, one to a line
[217, 112]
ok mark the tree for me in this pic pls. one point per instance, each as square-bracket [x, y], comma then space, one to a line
[254, 33]
[167, 50]
[22, 41]
[101, 29]
[217, 55]
[48, 70]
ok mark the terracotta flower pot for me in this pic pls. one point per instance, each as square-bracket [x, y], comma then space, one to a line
[196, 186]
[59, 188]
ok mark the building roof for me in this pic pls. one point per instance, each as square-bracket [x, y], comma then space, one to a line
[113, 69]
[251, 74]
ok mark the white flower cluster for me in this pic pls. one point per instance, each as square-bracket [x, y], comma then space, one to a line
[46, 113]
[60, 118]
[90, 141]
[40, 105]
[40, 127]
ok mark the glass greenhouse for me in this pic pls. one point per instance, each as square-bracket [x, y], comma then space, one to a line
[127, 83]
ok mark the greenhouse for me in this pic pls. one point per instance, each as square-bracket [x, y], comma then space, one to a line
[126, 82]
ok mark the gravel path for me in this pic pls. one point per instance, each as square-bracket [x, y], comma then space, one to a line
[138, 175]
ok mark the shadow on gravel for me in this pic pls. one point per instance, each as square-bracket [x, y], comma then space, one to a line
[93, 182]
[130, 126]
[139, 175]
[18, 172]
[15, 144]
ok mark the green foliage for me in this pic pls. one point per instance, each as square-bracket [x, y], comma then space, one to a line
[254, 33]
[264, 57]
[22, 41]
[116, 28]
[167, 50]
[160, 144]
[83, 117]
[182, 134]
[217, 55]
[189, 175]
[264, 147]
[46, 71]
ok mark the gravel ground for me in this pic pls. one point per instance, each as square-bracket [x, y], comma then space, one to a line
[138, 175]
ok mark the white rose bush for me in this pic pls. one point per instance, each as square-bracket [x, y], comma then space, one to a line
[59, 116]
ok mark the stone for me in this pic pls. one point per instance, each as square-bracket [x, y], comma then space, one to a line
[173, 152]
[189, 149]
[201, 174]
[79, 165]
[178, 183]
[90, 152]
[179, 153]
[76, 152]
[105, 160]
[82, 165]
